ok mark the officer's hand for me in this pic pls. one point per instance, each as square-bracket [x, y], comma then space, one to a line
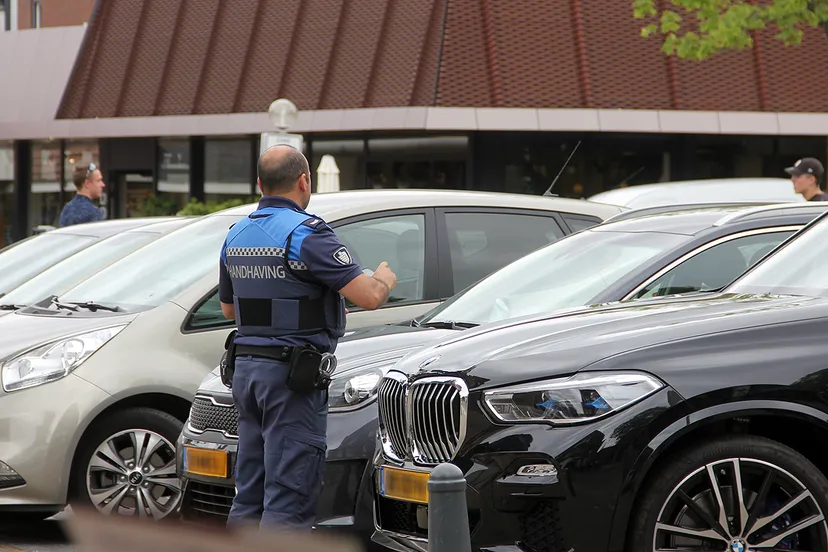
[385, 275]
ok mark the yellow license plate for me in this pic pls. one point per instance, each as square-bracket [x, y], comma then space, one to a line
[410, 486]
[199, 461]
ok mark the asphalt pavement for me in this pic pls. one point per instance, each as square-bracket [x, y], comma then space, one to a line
[43, 536]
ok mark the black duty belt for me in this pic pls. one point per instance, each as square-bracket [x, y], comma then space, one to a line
[280, 353]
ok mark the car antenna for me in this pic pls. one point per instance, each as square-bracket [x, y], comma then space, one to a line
[633, 175]
[548, 191]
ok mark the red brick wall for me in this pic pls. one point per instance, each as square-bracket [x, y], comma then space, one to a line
[55, 13]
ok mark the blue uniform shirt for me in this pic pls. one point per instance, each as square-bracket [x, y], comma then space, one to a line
[79, 210]
[328, 263]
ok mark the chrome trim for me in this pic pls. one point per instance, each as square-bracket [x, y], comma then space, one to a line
[393, 433]
[432, 441]
[417, 420]
[687, 256]
[210, 398]
[731, 217]
[225, 434]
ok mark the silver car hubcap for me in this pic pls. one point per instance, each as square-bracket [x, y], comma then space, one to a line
[133, 473]
[741, 505]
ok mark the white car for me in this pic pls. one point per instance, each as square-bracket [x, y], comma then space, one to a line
[96, 384]
[720, 190]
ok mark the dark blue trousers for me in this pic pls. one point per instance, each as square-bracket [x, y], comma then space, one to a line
[281, 449]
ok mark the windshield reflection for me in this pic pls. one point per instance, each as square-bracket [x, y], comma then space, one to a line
[568, 273]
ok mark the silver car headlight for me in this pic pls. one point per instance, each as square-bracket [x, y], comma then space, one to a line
[581, 398]
[357, 387]
[53, 360]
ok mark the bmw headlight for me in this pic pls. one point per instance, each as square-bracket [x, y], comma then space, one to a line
[357, 387]
[581, 398]
[54, 360]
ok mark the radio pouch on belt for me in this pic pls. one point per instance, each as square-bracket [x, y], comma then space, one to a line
[310, 370]
[227, 366]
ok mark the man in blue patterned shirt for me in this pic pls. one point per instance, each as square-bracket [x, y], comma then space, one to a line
[90, 185]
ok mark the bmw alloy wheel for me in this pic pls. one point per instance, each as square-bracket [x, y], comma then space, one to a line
[133, 473]
[740, 505]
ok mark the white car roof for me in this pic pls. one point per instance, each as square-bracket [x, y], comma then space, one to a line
[339, 205]
[770, 190]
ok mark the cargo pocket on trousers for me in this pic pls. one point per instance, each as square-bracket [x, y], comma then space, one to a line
[300, 466]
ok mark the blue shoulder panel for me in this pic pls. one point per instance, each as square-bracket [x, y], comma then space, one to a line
[302, 231]
[234, 231]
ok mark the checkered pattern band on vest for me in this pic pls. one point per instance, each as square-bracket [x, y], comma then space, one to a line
[297, 265]
[255, 252]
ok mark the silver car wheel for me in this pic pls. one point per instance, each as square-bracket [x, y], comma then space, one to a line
[133, 473]
[740, 505]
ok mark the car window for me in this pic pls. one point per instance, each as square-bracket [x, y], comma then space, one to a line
[568, 273]
[70, 272]
[578, 223]
[800, 267]
[715, 267]
[160, 270]
[208, 315]
[481, 243]
[400, 241]
[23, 261]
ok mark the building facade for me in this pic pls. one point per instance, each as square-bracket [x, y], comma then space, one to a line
[38, 14]
[169, 97]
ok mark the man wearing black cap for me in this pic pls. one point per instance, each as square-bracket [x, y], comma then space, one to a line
[806, 175]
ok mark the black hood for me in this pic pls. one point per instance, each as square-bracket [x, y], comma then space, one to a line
[561, 344]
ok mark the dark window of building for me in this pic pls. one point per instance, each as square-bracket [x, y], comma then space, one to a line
[7, 211]
[36, 14]
[228, 169]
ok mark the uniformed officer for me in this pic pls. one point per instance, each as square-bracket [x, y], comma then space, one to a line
[283, 275]
[806, 175]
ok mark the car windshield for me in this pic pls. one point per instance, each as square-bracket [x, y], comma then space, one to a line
[19, 263]
[72, 271]
[798, 268]
[159, 271]
[567, 273]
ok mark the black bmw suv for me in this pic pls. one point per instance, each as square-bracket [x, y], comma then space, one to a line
[692, 423]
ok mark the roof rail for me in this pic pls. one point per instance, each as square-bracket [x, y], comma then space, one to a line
[660, 209]
[742, 215]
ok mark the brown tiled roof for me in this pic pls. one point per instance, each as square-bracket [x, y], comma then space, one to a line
[172, 57]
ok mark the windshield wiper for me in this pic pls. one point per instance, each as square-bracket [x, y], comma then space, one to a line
[447, 325]
[55, 301]
[92, 306]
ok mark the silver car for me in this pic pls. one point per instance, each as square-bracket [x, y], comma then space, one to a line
[96, 384]
[69, 272]
[27, 258]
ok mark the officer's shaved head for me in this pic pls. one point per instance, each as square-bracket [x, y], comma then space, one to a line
[279, 169]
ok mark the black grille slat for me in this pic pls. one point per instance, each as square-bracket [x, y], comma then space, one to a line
[206, 415]
[208, 503]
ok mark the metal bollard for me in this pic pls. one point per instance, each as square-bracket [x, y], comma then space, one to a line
[448, 517]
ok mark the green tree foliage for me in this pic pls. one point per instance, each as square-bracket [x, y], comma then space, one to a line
[697, 29]
[195, 207]
[155, 206]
